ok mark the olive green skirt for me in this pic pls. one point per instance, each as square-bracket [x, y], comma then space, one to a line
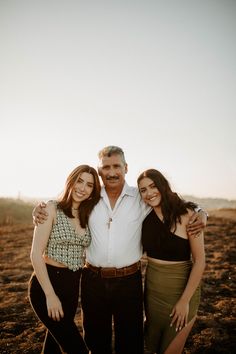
[164, 284]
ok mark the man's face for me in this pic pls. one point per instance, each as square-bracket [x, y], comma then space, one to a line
[112, 171]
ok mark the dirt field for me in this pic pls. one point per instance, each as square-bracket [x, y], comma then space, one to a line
[214, 331]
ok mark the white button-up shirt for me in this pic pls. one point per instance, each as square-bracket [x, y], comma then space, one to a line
[116, 233]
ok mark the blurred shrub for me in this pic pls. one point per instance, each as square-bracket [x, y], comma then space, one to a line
[14, 211]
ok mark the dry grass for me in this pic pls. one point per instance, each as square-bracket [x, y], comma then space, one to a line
[214, 331]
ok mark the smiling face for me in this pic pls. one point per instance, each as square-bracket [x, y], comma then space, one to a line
[149, 192]
[82, 188]
[112, 170]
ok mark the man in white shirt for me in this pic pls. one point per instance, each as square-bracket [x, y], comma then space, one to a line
[111, 286]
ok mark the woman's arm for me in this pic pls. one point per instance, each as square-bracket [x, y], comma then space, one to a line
[181, 309]
[40, 240]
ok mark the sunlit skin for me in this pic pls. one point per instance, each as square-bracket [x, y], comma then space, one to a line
[112, 170]
[82, 189]
[150, 193]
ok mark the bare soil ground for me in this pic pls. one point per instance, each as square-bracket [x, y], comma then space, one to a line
[214, 331]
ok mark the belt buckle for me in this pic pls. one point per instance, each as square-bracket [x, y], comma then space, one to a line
[108, 272]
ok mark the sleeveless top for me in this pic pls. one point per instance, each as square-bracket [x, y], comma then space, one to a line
[65, 245]
[160, 243]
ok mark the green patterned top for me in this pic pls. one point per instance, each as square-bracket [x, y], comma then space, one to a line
[65, 245]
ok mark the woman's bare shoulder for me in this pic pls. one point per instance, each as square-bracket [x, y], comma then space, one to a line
[186, 217]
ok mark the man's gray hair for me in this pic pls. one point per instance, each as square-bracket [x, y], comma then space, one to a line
[111, 150]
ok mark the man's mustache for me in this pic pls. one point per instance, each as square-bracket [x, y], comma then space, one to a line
[112, 178]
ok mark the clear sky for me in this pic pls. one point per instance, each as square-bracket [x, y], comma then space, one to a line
[157, 78]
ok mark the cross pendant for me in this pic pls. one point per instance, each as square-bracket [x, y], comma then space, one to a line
[109, 222]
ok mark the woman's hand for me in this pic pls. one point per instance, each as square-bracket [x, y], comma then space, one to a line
[179, 315]
[54, 307]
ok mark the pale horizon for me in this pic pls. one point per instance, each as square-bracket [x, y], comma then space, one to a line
[157, 78]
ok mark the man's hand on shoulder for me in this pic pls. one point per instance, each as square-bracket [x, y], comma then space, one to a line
[197, 223]
[39, 214]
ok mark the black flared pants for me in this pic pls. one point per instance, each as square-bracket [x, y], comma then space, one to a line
[62, 334]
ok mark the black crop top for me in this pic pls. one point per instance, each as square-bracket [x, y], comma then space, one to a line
[160, 243]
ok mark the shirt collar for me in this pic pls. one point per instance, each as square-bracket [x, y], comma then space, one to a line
[127, 190]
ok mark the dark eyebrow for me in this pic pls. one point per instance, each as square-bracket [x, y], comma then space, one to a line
[142, 188]
[82, 180]
[92, 183]
[150, 185]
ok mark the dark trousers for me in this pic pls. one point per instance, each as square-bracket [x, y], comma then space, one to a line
[117, 299]
[62, 334]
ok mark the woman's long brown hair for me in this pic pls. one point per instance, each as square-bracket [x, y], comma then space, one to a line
[172, 205]
[86, 206]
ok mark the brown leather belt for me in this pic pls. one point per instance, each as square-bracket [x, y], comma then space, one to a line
[111, 272]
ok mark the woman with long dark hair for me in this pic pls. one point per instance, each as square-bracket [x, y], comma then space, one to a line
[58, 256]
[175, 266]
